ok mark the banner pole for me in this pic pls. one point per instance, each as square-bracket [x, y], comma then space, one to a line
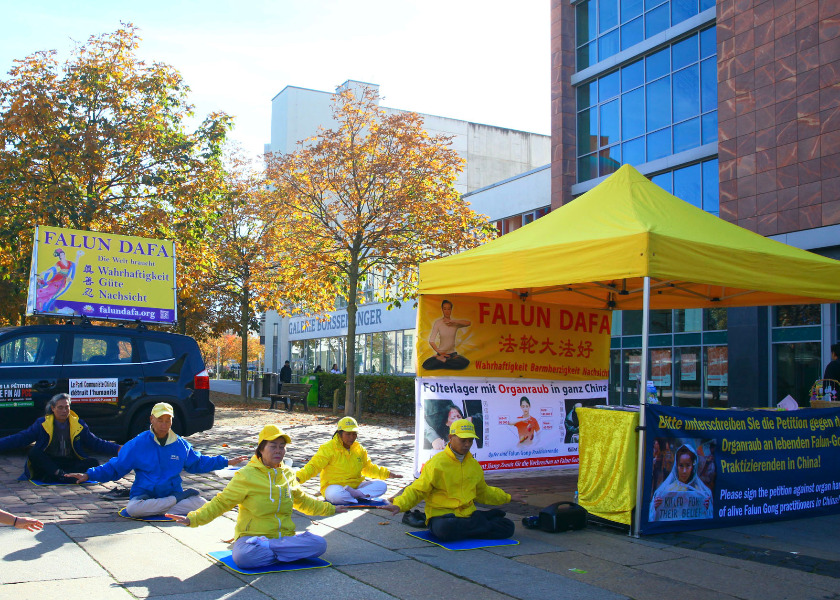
[643, 379]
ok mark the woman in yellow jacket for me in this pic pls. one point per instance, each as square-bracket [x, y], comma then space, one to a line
[343, 464]
[266, 491]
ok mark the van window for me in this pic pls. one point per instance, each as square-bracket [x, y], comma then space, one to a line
[31, 349]
[102, 349]
[157, 350]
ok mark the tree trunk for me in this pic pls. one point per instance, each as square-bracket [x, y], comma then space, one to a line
[244, 306]
[350, 394]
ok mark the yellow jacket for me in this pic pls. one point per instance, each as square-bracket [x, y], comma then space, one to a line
[340, 466]
[265, 498]
[450, 486]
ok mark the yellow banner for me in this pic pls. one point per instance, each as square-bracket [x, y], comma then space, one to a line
[471, 336]
[102, 276]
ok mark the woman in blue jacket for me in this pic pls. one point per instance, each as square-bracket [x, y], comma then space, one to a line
[59, 437]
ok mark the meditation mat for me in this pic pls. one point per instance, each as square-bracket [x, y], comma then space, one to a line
[460, 544]
[226, 558]
[39, 482]
[151, 518]
[372, 503]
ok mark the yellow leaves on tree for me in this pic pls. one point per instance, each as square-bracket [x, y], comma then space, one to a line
[374, 195]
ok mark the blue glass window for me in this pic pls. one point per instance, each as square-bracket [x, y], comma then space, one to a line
[686, 93]
[587, 55]
[687, 184]
[588, 167]
[587, 94]
[607, 14]
[651, 3]
[682, 10]
[659, 144]
[587, 131]
[633, 152]
[708, 42]
[704, 4]
[711, 191]
[686, 135]
[632, 114]
[630, 9]
[656, 21]
[658, 64]
[684, 53]
[609, 130]
[633, 75]
[610, 160]
[710, 127]
[658, 96]
[586, 22]
[609, 86]
[708, 84]
[663, 180]
[608, 44]
[632, 33]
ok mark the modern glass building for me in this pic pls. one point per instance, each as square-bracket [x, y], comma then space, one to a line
[734, 106]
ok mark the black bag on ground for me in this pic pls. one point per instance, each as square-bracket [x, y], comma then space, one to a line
[562, 516]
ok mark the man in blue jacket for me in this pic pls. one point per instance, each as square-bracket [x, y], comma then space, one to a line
[60, 437]
[157, 458]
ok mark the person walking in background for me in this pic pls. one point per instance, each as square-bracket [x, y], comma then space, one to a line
[286, 373]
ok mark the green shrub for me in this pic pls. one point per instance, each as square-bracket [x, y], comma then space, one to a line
[384, 394]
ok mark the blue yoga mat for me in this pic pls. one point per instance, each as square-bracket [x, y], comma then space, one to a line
[151, 518]
[226, 558]
[372, 503]
[473, 544]
[39, 482]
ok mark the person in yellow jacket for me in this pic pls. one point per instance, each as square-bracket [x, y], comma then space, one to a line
[343, 464]
[451, 482]
[266, 491]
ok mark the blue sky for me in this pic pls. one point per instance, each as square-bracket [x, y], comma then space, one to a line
[484, 61]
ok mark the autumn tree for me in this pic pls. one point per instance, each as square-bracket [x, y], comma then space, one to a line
[100, 142]
[227, 348]
[373, 196]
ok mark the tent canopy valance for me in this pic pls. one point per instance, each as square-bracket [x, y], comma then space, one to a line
[596, 251]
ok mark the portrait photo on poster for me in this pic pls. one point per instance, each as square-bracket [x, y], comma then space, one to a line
[440, 414]
[682, 479]
[571, 422]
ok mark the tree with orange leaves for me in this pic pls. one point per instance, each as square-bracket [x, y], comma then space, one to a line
[373, 197]
[100, 143]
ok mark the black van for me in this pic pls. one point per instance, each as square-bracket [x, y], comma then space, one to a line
[114, 376]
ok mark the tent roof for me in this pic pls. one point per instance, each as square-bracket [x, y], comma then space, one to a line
[596, 250]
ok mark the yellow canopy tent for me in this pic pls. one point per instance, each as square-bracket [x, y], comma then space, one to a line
[629, 245]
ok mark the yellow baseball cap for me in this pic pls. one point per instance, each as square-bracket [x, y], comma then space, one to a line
[162, 408]
[348, 424]
[463, 428]
[272, 432]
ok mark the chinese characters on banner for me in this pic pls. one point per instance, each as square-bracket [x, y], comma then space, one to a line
[102, 275]
[471, 336]
[718, 469]
[521, 423]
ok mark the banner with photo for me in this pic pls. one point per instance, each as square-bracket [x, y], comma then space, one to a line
[520, 423]
[102, 276]
[709, 468]
[474, 336]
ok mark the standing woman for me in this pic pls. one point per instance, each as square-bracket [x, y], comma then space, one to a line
[266, 491]
[343, 464]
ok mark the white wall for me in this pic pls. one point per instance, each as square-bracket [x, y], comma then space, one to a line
[513, 196]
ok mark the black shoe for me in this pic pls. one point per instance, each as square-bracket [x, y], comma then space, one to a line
[414, 518]
[116, 494]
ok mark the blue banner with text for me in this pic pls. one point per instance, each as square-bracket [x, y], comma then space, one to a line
[717, 468]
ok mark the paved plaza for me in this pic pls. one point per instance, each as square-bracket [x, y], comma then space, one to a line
[87, 550]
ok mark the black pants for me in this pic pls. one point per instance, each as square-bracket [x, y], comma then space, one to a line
[42, 466]
[455, 362]
[484, 524]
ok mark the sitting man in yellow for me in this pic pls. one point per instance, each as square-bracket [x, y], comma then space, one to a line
[343, 464]
[450, 483]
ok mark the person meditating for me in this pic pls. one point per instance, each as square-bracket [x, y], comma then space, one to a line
[266, 492]
[343, 464]
[442, 341]
[157, 457]
[451, 482]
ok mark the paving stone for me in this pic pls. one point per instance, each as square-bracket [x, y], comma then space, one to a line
[153, 563]
[346, 549]
[90, 530]
[98, 588]
[316, 584]
[46, 555]
[510, 577]
[367, 525]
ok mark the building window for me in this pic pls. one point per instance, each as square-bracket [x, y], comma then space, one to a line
[658, 105]
[697, 184]
[513, 223]
[605, 27]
